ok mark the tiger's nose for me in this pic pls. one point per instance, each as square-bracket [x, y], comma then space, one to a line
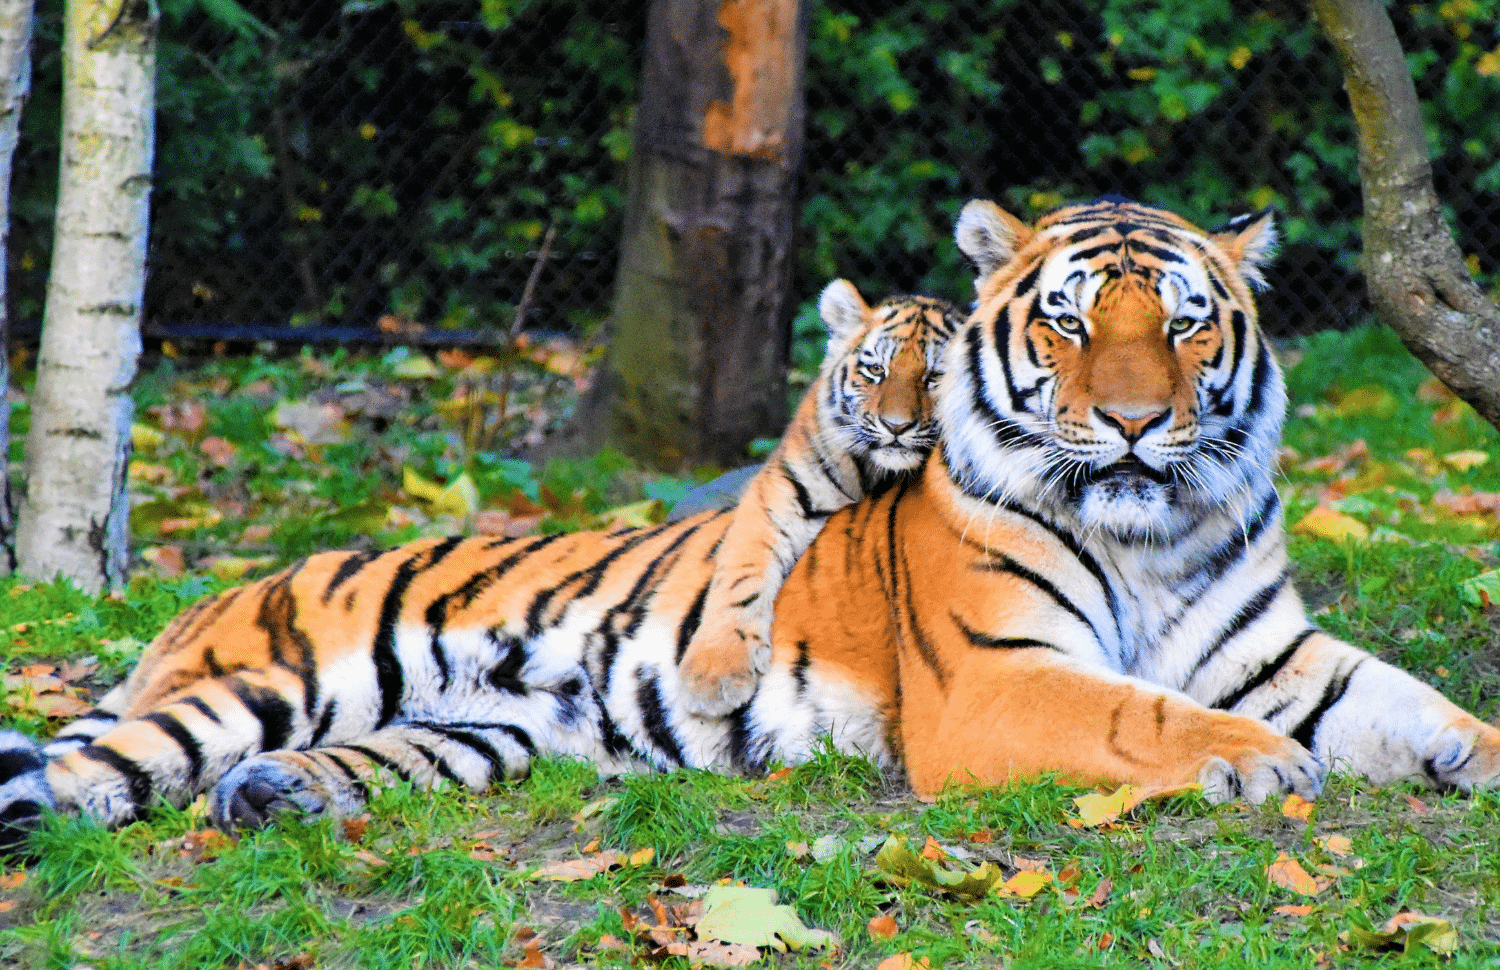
[1132, 424]
[897, 425]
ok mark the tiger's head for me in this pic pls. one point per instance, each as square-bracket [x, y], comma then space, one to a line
[1112, 371]
[880, 368]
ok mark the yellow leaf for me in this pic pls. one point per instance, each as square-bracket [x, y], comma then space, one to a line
[459, 497]
[1465, 460]
[1027, 884]
[1295, 806]
[1288, 873]
[1239, 57]
[1337, 844]
[637, 515]
[145, 438]
[1095, 809]
[642, 856]
[416, 366]
[1370, 399]
[1406, 931]
[1323, 522]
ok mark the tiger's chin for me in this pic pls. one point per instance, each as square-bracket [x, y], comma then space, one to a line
[1130, 500]
[895, 458]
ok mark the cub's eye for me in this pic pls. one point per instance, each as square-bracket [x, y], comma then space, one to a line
[1181, 325]
[1068, 323]
[873, 371]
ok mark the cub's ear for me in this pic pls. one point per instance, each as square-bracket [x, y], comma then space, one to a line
[844, 312]
[1250, 243]
[989, 236]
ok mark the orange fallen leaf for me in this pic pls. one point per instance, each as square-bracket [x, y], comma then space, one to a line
[12, 881]
[1295, 806]
[904, 961]
[1027, 884]
[1417, 805]
[1288, 873]
[779, 774]
[933, 851]
[983, 836]
[354, 828]
[533, 957]
[1101, 892]
[1304, 909]
[1337, 844]
[1028, 865]
[7, 905]
[882, 927]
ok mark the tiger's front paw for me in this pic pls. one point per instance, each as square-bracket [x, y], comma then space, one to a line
[257, 789]
[1257, 775]
[723, 663]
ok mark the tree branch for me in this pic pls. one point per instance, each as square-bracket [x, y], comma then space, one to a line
[1415, 272]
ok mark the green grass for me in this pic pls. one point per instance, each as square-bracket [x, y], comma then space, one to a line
[443, 879]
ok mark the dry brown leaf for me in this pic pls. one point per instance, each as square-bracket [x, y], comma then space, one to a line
[59, 705]
[1101, 892]
[167, 560]
[882, 927]
[7, 905]
[1029, 865]
[715, 953]
[1288, 873]
[983, 836]
[219, 451]
[13, 881]
[533, 957]
[1417, 805]
[1304, 909]
[1473, 503]
[931, 850]
[354, 828]
[572, 870]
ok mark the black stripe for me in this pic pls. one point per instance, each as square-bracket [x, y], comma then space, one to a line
[201, 706]
[739, 738]
[1307, 728]
[347, 569]
[169, 725]
[654, 715]
[1083, 255]
[799, 668]
[388, 674]
[1165, 255]
[277, 616]
[986, 641]
[919, 638]
[19, 761]
[691, 621]
[1264, 674]
[998, 562]
[479, 582]
[473, 742]
[269, 708]
[804, 500]
[1028, 282]
[137, 779]
[341, 765]
[1076, 548]
[325, 723]
[587, 578]
[634, 604]
[506, 675]
[520, 736]
[1253, 609]
[439, 765]
[389, 764]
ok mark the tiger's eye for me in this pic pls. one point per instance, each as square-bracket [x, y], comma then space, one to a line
[1181, 325]
[1068, 323]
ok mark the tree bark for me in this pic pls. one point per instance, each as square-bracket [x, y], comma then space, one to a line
[1414, 270]
[700, 333]
[15, 85]
[74, 520]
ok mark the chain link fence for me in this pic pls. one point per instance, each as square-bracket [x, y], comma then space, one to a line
[402, 160]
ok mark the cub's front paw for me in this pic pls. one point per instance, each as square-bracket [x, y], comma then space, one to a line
[1257, 775]
[1463, 756]
[723, 663]
[257, 789]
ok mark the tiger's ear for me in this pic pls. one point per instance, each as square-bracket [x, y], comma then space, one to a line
[989, 235]
[1250, 243]
[844, 312]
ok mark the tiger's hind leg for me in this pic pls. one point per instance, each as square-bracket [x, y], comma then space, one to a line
[339, 780]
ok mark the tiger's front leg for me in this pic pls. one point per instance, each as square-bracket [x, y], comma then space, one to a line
[339, 781]
[1360, 714]
[1018, 712]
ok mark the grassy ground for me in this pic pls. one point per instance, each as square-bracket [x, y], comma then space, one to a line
[450, 879]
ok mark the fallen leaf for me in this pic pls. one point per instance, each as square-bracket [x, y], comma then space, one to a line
[1101, 892]
[1295, 806]
[1026, 884]
[1464, 461]
[459, 497]
[220, 451]
[1482, 591]
[1288, 873]
[533, 957]
[746, 914]
[904, 961]
[641, 856]
[779, 774]
[636, 515]
[715, 953]
[1337, 844]
[310, 423]
[1096, 809]
[931, 850]
[1406, 931]
[572, 870]
[883, 927]
[142, 471]
[1324, 522]
[1417, 805]
[1305, 909]
[7, 905]
[825, 847]
[903, 867]
[1369, 399]
[354, 828]
[167, 560]
[983, 836]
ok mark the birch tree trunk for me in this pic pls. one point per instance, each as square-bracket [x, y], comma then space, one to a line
[74, 520]
[1416, 273]
[15, 84]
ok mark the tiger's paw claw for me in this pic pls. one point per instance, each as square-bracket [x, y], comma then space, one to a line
[1257, 775]
[255, 791]
[721, 668]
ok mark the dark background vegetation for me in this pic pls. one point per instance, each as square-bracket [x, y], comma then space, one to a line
[339, 162]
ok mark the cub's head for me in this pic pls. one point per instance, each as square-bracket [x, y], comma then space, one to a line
[1112, 371]
[879, 371]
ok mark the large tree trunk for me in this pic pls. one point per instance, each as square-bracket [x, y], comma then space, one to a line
[696, 367]
[15, 84]
[1415, 272]
[75, 516]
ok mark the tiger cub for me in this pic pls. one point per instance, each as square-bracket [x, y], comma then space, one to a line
[868, 415]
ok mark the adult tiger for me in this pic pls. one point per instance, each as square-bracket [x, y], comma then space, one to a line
[1089, 577]
[867, 416]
